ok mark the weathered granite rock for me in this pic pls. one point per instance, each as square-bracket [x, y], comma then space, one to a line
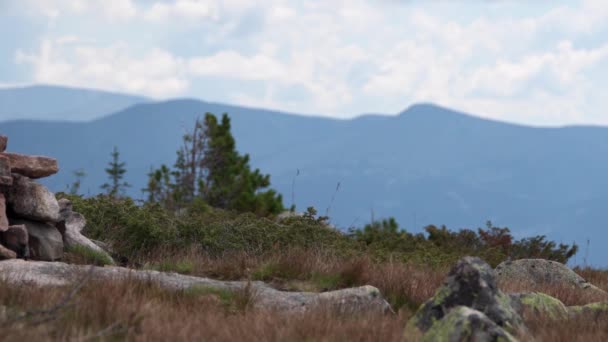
[6, 253]
[539, 304]
[470, 283]
[70, 227]
[45, 241]
[3, 142]
[16, 239]
[3, 217]
[5, 171]
[591, 311]
[366, 299]
[537, 272]
[31, 200]
[31, 166]
[466, 324]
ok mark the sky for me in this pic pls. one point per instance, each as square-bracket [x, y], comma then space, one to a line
[542, 62]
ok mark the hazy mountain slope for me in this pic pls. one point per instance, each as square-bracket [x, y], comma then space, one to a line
[426, 165]
[43, 102]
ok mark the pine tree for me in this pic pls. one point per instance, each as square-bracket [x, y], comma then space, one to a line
[208, 167]
[116, 172]
[230, 182]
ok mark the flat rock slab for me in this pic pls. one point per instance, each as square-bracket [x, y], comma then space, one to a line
[364, 299]
[31, 166]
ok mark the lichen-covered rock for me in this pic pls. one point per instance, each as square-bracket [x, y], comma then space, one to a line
[466, 324]
[31, 200]
[45, 241]
[16, 239]
[539, 303]
[591, 311]
[470, 283]
[536, 272]
[70, 227]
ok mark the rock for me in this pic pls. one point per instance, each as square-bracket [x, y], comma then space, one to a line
[466, 324]
[361, 300]
[5, 171]
[539, 304]
[590, 311]
[470, 283]
[3, 142]
[16, 239]
[538, 272]
[6, 253]
[31, 166]
[45, 241]
[71, 225]
[31, 200]
[3, 217]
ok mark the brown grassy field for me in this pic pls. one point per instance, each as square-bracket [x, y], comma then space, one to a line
[129, 310]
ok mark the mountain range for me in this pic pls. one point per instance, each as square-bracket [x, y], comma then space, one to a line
[425, 165]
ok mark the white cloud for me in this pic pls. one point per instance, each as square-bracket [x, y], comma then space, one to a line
[180, 9]
[347, 56]
[109, 9]
[156, 73]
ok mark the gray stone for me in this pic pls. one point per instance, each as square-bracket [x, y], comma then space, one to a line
[33, 201]
[360, 300]
[466, 324]
[45, 241]
[71, 226]
[16, 239]
[31, 166]
[534, 273]
[536, 303]
[470, 283]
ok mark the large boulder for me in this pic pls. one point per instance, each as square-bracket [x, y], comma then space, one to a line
[470, 283]
[16, 239]
[71, 226]
[466, 324]
[591, 311]
[31, 200]
[536, 303]
[45, 241]
[534, 273]
[32, 166]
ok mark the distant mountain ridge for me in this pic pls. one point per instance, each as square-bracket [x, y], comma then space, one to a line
[427, 165]
[45, 102]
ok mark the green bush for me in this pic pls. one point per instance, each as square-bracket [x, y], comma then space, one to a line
[137, 230]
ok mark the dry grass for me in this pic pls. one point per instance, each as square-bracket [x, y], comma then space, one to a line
[139, 311]
[143, 312]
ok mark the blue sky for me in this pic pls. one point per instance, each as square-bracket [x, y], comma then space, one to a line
[533, 62]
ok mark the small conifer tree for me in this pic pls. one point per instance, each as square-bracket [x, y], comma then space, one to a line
[116, 172]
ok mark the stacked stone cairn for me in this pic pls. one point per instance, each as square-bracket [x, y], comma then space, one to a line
[33, 224]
